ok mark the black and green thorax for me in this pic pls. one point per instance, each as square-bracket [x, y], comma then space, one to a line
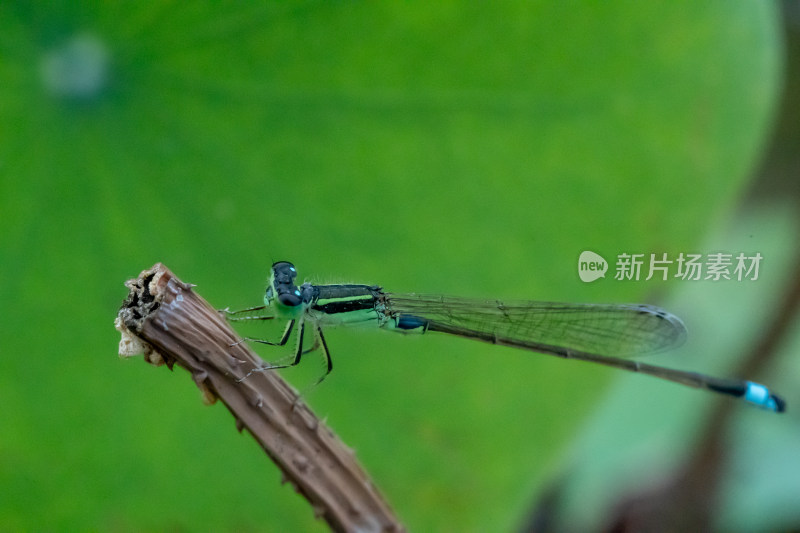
[329, 305]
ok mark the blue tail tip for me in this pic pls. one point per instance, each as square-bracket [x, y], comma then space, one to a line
[759, 395]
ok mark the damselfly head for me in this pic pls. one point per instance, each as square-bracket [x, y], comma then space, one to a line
[281, 285]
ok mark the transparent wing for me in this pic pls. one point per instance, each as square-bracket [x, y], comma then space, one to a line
[620, 330]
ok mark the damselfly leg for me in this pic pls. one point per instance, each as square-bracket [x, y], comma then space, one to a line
[291, 360]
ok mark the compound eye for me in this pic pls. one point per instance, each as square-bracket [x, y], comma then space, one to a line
[290, 299]
[284, 271]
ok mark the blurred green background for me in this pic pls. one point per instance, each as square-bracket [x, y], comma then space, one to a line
[462, 148]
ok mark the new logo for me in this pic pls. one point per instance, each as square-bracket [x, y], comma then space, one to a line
[591, 266]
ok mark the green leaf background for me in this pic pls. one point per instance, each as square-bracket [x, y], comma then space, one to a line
[464, 148]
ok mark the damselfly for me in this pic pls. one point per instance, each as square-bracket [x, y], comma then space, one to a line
[607, 334]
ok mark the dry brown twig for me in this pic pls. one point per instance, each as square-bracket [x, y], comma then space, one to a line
[168, 322]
